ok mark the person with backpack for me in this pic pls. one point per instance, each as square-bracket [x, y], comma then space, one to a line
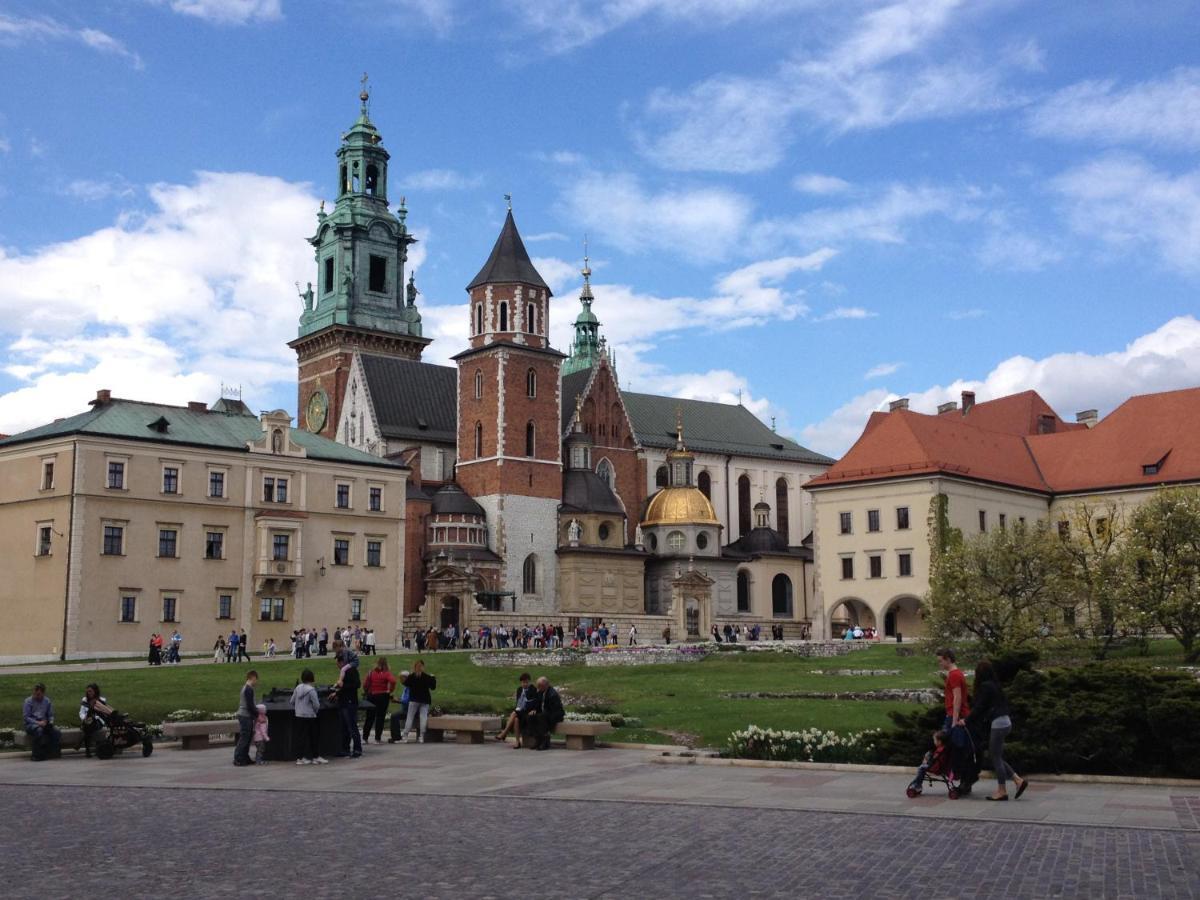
[345, 694]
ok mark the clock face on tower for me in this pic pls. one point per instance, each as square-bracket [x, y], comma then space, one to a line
[316, 411]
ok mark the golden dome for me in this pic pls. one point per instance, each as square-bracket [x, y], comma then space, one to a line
[680, 506]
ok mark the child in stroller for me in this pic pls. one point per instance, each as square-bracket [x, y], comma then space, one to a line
[936, 768]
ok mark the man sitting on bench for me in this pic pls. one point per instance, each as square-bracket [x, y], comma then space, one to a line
[39, 725]
[545, 711]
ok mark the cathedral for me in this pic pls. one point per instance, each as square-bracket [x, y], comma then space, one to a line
[540, 489]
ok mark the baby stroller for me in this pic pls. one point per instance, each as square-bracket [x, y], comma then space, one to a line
[115, 731]
[952, 762]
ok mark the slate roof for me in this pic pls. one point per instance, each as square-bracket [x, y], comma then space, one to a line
[509, 263]
[132, 420]
[765, 542]
[586, 492]
[452, 500]
[710, 427]
[413, 400]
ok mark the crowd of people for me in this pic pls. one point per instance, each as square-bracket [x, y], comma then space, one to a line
[524, 637]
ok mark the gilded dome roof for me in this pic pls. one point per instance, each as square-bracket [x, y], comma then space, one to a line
[680, 506]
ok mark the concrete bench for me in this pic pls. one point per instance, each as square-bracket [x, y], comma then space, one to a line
[198, 735]
[72, 739]
[579, 735]
[467, 729]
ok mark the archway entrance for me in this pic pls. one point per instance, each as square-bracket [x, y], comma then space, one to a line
[847, 613]
[692, 614]
[781, 597]
[889, 623]
[903, 616]
[450, 611]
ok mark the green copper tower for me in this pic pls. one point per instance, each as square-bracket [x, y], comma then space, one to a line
[585, 349]
[361, 247]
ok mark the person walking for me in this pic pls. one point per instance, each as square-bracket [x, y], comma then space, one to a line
[632, 635]
[419, 683]
[243, 647]
[247, 713]
[345, 692]
[219, 649]
[958, 707]
[989, 715]
[323, 643]
[378, 689]
[231, 646]
[306, 704]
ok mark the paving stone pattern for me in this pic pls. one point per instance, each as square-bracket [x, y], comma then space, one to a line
[221, 843]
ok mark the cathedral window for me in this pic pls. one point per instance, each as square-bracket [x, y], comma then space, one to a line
[530, 439]
[529, 574]
[479, 318]
[478, 440]
[531, 383]
[531, 318]
[743, 591]
[781, 507]
[504, 317]
[377, 274]
[743, 504]
[478, 384]
[329, 275]
[704, 482]
[605, 471]
[660, 477]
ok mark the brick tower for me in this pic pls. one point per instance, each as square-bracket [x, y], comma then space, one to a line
[360, 302]
[509, 440]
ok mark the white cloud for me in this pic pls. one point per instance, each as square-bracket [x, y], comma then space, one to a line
[1131, 206]
[440, 180]
[703, 223]
[230, 12]
[545, 236]
[439, 15]
[846, 312]
[201, 278]
[558, 273]
[1167, 358]
[1161, 112]
[876, 73]
[16, 30]
[960, 315]
[91, 190]
[882, 370]
[1008, 248]
[813, 183]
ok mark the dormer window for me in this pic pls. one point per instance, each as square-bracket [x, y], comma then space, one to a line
[1154, 461]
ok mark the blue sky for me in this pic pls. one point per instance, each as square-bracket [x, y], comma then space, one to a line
[820, 205]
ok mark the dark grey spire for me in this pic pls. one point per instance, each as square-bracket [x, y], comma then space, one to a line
[509, 262]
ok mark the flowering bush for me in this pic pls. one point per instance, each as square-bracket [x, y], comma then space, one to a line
[809, 745]
[196, 715]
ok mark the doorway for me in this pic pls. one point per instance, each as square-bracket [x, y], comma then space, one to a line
[450, 608]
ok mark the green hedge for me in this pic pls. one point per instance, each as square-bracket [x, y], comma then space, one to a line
[1098, 719]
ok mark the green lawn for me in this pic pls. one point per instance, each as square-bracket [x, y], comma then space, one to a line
[674, 702]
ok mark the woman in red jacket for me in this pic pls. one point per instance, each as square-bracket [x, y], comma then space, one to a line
[378, 688]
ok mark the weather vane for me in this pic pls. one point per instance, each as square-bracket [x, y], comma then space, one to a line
[508, 200]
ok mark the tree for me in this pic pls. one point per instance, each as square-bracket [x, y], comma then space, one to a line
[1091, 559]
[1162, 564]
[1000, 587]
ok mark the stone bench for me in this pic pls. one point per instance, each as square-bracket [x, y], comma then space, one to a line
[579, 735]
[72, 739]
[467, 729]
[197, 735]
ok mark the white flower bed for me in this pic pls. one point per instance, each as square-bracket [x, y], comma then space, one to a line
[809, 745]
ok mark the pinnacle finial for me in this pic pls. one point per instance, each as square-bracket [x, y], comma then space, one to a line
[364, 95]
[508, 200]
[679, 427]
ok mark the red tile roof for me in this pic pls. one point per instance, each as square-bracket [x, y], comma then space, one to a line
[998, 442]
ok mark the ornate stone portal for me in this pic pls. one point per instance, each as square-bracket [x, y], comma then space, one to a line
[450, 592]
[691, 604]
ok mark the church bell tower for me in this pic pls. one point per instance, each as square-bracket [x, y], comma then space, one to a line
[509, 418]
[359, 301]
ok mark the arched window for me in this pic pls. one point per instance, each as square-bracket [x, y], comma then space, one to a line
[479, 384]
[704, 482]
[605, 471]
[531, 383]
[660, 477]
[345, 181]
[478, 440]
[529, 574]
[743, 591]
[530, 439]
[479, 318]
[504, 317]
[531, 319]
[743, 504]
[781, 596]
[781, 508]
[372, 180]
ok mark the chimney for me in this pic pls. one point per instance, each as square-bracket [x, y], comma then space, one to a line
[197, 406]
[968, 401]
[947, 407]
[104, 395]
[1045, 424]
[1088, 417]
[902, 403]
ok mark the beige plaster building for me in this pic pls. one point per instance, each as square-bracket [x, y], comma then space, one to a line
[134, 518]
[992, 464]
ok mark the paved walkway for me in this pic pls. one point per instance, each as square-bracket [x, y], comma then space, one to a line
[466, 821]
